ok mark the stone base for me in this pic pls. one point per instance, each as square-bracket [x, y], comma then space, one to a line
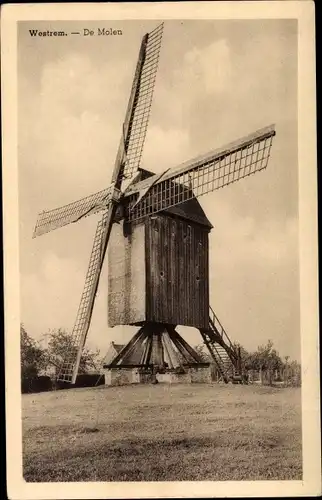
[126, 376]
[192, 375]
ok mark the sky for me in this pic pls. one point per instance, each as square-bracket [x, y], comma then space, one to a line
[217, 81]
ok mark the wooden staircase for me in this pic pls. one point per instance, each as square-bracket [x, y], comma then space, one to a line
[225, 355]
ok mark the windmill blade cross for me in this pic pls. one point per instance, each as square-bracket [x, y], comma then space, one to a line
[201, 175]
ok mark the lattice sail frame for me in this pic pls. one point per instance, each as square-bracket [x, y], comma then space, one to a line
[59, 217]
[142, 102]
[202, 175]
[84, 313]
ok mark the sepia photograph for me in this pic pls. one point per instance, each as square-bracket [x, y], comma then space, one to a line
[159, 226]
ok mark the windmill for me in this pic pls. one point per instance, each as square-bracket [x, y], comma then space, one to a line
[157, 234]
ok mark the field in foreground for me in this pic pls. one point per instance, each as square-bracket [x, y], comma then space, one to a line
[162, 433]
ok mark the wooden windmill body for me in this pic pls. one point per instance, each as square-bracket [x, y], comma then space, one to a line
[159, 269]
[158, 277]
[157, 238]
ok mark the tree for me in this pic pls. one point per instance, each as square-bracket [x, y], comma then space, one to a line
[32, 356]
[265, 359]
[61, 342]
[292, 373]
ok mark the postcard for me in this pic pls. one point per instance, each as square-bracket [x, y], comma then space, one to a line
[160, 250]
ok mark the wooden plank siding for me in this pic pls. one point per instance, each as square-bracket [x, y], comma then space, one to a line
[176, 271]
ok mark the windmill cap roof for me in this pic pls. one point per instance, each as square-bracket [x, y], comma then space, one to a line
[190, 210]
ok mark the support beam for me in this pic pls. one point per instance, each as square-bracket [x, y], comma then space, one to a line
[145, 358]
[132, 357]
[154, 345]
[157, 350]
[173, 357]
[174, 335]
[167, 357]
[129, 347]
[187, 359]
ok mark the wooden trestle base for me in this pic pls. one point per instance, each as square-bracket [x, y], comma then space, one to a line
[156, 346]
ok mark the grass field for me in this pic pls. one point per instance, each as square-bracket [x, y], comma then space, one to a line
[162, 433]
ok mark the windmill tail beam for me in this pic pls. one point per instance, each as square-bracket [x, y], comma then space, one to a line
[225, 355]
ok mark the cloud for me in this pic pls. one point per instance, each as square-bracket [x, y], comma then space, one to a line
[53, 289]
[201, 72]
[208, 69]
[77, 83]
[66, 131]
[254, 275]
[165, 148]
[272, 243]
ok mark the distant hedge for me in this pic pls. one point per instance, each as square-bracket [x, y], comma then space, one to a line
[83, 380]
[36, 384]
[44, 383]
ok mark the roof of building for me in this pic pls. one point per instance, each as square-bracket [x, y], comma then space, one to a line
[112, 351]
[117, 347]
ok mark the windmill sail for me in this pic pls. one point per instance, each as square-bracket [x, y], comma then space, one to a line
[59, 217]
[142, 92]
[202, 175]
[68, 370]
